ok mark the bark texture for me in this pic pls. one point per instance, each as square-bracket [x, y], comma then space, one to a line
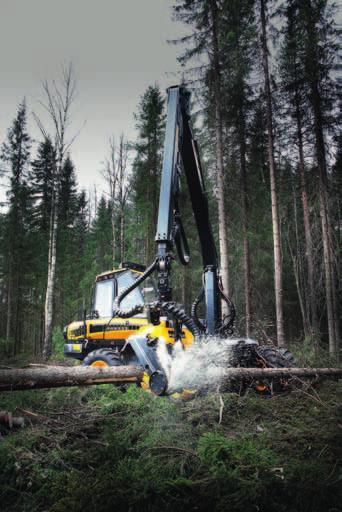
[55, 377]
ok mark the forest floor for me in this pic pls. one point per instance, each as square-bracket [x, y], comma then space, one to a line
[101, 449]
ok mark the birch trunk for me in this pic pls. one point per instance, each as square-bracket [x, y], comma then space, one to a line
[58, 106]
[51, 275]
[278, 284]
[222, 213]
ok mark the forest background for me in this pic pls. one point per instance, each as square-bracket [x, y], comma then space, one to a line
[266, 98]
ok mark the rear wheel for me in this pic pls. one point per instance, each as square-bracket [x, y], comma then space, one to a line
[102, 357]
[288, 356]
[273, 357]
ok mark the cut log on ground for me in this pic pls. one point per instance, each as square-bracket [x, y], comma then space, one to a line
[55, 377]
[282, 373]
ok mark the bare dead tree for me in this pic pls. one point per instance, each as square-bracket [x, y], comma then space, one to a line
[110, 175]
[58, 101]
[123, 190]
[115, 174]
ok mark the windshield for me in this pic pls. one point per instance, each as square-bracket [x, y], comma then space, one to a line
[104, 298]
[104, 293]
[134, 298]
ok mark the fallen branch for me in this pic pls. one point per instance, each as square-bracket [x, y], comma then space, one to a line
[55, 377]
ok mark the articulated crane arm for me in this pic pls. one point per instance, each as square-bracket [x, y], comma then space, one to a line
[181, 154]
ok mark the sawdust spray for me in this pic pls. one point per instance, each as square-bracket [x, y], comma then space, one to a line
[201, 366]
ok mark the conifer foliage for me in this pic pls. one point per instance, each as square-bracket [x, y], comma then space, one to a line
[265, 88]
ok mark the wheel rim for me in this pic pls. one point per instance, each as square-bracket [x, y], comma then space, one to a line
[99, 363]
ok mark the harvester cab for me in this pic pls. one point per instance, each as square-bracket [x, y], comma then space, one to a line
[130, 315]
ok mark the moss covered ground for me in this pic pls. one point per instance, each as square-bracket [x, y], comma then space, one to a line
[102, 449]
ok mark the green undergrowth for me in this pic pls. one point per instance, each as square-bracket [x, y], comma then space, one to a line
[105, 449]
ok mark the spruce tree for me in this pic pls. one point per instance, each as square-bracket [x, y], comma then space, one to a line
[147, 165]
[41, 184]
[15, 156]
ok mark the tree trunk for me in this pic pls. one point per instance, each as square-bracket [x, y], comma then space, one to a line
[122, 234]
[278, 284]
[314, 81]
[51, 275]
[113, 233]
[9, 307]
[245, 225]
[314, 328]
[296, 262]
[329, 271]
[222, 213]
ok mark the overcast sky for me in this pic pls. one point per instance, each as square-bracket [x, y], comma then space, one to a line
[118, 48]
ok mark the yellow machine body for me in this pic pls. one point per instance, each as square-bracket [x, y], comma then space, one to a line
[118, 329]
[100, 340]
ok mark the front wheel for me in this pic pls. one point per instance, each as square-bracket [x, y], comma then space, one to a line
[102, 357]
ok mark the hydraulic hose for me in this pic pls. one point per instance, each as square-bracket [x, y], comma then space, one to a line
[178, 312]
[227, 327]
[194, 307]
[127, 313]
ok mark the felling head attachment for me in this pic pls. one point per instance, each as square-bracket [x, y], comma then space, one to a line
[158, 383]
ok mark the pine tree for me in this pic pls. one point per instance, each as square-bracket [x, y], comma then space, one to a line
[238, 57]
[205, 18]
[41, 184]
[101, 236]
[295, 96]
[320, 51]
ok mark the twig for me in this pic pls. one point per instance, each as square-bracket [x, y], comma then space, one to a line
[221, 409]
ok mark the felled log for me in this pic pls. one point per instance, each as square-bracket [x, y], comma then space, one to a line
[282, 373]
[58, 376]
[55, 377]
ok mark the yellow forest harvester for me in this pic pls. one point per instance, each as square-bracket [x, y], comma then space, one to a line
[130, 315]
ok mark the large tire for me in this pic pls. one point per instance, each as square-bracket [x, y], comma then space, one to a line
[102, 357]
[288, 356]
[273, 357]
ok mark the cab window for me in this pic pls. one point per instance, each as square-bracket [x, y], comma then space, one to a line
[104, 296]
[134, 298]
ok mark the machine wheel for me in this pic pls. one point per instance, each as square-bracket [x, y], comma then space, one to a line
[273, 357]
[288, 356]
[102, 357]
